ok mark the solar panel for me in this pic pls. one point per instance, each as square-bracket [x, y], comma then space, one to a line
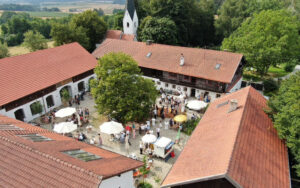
[35, 137]
[9, 127]
[82, 155]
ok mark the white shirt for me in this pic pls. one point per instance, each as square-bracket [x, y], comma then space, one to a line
[157, 129]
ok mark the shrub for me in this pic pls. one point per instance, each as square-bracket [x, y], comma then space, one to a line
[289, 67]
[36, 108]
[144, 185]
[270, 85]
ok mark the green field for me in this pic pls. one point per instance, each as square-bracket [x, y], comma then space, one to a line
[49, 14]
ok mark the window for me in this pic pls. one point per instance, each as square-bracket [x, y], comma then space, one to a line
[166, 85]
[222, 104]
[185, 88]
[149, 55]
[158, 83]
[134, 24]
[49, 101]
[127, 24]
[82, 155]
[186, 77]
[174, 86]
[172, 75]
[35, 137]
[8, 127]
[218, 95]
[217, 67]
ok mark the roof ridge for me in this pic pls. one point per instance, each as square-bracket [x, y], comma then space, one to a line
[48, 156]
[239, 129]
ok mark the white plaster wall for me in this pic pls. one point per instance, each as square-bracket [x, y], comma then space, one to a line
[127, 19]
[56, 98]
[237, 86]
[125, 180]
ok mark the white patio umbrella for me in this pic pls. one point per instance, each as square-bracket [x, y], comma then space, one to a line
[65, 127]
[65, 112]
[111, 127]
[149, 138]
[196, 105]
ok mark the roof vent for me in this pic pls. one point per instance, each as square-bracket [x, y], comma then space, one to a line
[149, 55]
[148, 42]
[233, 105]
[217, 67]
[181, 60]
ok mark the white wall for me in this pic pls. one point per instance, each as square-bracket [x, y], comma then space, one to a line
[56, 98]
[133, 24]
[125, 180]
[237, 86]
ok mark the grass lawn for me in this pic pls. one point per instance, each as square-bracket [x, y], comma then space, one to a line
[48, 14]
[273, 72]
[19, 50]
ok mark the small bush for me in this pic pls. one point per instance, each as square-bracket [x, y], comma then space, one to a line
[289, 67]
[270, 85]
[144, 185]
[189, 126]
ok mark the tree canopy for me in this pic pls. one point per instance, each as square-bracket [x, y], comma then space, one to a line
[34, 41]
[87, 28]
[285, 111]
[269, 38]
[193, 18]
[121, 92]
[159, 30]
[3, 50]
[233, 12]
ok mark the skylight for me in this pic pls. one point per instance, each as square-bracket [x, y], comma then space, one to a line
[35, 137]
[217, 67]
[149, 55]
[82, 155]
[222, 104]
[9, 127]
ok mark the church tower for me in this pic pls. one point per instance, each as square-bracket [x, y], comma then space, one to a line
[130, 20]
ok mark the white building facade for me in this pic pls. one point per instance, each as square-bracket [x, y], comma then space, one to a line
[130, 20]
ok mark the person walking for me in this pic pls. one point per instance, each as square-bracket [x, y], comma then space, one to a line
[158, 132]
[127, 143]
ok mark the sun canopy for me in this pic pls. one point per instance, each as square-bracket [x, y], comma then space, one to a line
[149, 138]
[196, 105]
[65, 127]
[111, 127]
[65, 112]
[180, 118]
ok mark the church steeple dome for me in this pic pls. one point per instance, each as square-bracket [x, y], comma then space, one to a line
[130, 20]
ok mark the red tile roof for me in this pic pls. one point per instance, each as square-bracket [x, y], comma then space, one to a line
[199, 63]
[42, 164]
[242, 146]
[117, 34]
[25, 74]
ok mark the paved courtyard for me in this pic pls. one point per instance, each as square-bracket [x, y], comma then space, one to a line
[159, 169]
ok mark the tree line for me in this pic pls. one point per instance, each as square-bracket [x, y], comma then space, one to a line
[18, 7]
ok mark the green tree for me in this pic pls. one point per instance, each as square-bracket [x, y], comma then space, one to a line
[118, 21]
[159, 30]
[34, 41]
[65, 33]
[3, 50]
[6, 15]
[99, 11]
[269, 38]
[233, 12]
[285, 112]
[121, 92]
[94, 26]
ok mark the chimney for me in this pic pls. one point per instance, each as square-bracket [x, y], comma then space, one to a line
[181, 60]
[233, 105]
[148, 42]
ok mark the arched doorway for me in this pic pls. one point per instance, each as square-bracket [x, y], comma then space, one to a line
[19, 114]
[81, 86]
[49, 101]
[66, 93]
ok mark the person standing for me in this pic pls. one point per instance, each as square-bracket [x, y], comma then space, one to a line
[158, 132]
[127, 143]
[133, 131]
[141, 147]
[100, 140]
[155, 113]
